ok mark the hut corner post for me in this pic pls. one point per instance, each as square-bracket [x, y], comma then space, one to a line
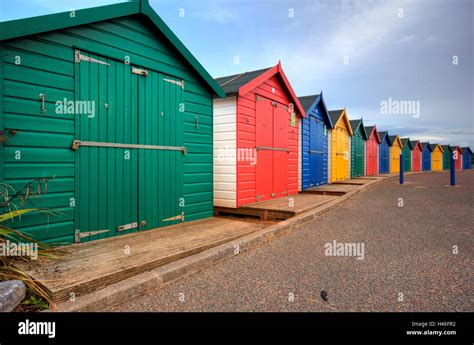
[402, 177]
[453, 170]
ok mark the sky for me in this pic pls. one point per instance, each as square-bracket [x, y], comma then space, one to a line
[361, 53]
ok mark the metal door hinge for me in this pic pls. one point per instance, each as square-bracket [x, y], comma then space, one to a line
[78, 234]
[178, 217]
[139, 71]
[197, 121]
[78, 57]
[274, 195]
[176, 82]
[258, 197]
[127, 226]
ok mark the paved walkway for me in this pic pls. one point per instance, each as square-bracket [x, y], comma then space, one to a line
[408, 254]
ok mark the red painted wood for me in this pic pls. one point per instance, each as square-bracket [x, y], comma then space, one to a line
[416, 155]
[265, 162]
[372, 154]
[275, 172]
[458, 161]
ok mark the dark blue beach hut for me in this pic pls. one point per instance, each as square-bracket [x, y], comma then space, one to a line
[314, 142]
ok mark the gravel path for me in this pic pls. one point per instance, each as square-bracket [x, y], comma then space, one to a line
[408, 250]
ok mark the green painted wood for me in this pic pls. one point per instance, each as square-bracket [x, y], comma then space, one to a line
[45, 138]
[23, 75]
[55, 185]
[357, 153]
[447, 158]
[2, 116]
[14, 104]
[406, 152]
[33, 171]
[24, 27]
[38, 123]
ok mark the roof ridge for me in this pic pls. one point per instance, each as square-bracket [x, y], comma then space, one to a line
[235, 78]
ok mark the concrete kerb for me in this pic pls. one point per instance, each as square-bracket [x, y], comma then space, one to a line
[158, 277]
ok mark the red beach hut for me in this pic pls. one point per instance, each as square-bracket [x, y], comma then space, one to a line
[416, 156]
[256, 138]
[372, 151]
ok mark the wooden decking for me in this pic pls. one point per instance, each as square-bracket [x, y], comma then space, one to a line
[278, 209]
[355, 181]
[93, 265]
[332, 189]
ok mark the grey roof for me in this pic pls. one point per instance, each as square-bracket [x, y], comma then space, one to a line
[382, 135]
[307, 101]
[232, 83]
[391, 139]
[335, 115]
[426, 143]
[466, 148]
[355, 124]
[406, 141]
[447, 147]
[369, 129]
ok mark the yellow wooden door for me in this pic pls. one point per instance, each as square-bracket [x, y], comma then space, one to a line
[395, 158]
[437, 160]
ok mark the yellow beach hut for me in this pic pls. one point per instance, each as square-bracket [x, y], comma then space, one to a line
[396, 147]
[437, 158]
[340, 147]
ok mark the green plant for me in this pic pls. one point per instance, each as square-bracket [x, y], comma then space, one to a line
[37, 302]
[9, 268]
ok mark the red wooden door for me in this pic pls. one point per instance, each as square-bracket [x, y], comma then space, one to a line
[372, 156]
[416, 160]
[272, 149]
[280, 154]
[264, 140]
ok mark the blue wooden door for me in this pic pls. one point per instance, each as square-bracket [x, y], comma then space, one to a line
[426, 159]
[384, 157]
[316, 152]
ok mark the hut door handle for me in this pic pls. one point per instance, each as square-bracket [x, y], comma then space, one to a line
[197, 121]
[42, 96]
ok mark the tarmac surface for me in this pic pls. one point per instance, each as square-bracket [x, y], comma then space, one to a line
[418, 255]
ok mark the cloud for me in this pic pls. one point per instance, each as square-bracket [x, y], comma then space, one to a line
[356, 31]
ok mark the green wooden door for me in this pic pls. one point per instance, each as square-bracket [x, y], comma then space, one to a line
[160, 171]
[357, 154]
[138, 186]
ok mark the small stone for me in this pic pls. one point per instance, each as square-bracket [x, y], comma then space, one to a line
[12, 292]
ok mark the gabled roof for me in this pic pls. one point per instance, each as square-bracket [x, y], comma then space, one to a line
[335, 115]
[447, 147]
[393, 138]
[454, 148]
[467, 149]
[434, 146]
[259, 77]
[355, 124]
[310, 102]
[427, 144]
[232, 83]
[416, 143]
[36, 25]
[370, 129]
[382, 135]
[407, 141]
